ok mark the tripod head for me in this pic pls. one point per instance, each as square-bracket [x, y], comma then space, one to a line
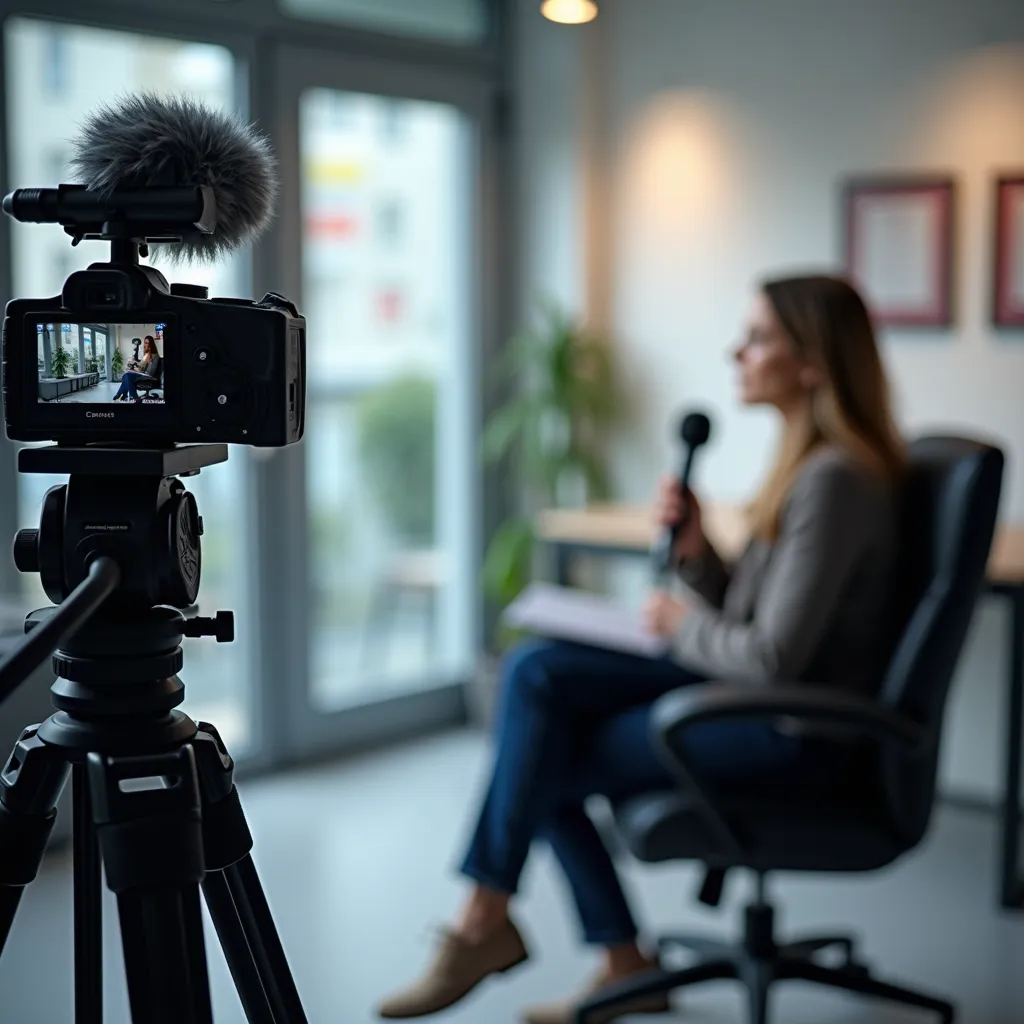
[119, 542]
[125, 503]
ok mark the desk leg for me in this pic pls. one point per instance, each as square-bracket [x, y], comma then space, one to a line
[563, 563]
[1012, 888]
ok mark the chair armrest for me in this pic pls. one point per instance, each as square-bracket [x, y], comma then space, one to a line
[715, 701]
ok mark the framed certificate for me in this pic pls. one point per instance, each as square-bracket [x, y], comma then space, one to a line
[898, 247]
[1008, 305]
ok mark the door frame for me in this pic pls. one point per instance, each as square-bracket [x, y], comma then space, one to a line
[285, 586]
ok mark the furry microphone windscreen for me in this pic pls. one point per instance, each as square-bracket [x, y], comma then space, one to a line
[148, 140]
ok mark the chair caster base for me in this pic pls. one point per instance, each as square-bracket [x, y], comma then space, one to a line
[758, 963]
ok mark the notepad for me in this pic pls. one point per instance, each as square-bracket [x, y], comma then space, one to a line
[562, 613]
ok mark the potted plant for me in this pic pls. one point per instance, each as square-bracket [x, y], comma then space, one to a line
[117, 365]
[563, 399]
[60, 363]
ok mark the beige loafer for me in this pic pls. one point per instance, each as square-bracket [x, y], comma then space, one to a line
[564, 1012]
[456, 969]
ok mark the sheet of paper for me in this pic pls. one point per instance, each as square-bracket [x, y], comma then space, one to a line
[561, 613]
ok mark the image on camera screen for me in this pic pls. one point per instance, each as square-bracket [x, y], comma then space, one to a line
[95, 364]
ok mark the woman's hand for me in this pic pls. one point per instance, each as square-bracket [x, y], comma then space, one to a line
[669, 509]
[664, 613]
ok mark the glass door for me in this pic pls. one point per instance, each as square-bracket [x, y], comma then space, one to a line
[384, 171]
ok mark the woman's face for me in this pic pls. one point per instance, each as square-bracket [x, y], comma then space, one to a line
[770, 369]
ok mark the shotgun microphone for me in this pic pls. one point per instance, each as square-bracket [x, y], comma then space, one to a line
[148, 142]
[694, 430]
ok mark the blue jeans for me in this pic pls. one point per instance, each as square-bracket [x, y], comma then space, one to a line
[128, 384]
[573, 722]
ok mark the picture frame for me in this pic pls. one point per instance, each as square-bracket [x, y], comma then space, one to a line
[1008, 252]
[898, 247]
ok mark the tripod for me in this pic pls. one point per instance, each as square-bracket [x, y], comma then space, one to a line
[154, 799]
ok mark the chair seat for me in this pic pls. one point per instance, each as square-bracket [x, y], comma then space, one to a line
[797, 832]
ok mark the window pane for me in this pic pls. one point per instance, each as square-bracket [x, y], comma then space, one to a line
[385, 207]
[454, 21]
[56, 74]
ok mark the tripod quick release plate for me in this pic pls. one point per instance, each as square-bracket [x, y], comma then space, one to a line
[121, 460]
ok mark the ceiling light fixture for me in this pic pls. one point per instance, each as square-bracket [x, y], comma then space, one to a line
[569, 12]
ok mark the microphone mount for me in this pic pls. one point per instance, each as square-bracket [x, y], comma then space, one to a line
[136, 215]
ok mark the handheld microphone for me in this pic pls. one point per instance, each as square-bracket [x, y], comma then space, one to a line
[174, 142]
[694, 430]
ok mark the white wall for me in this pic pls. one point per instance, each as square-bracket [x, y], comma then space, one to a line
[125, 333]
[719, 133]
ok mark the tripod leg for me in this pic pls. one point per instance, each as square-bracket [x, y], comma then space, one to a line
[264, 942]
[10, 897]
[151, 840]
[30, 786]
[163, 941]
[234, 895]
[88, 905]
[235, 945]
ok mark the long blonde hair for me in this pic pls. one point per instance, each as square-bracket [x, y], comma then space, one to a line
[828, 323]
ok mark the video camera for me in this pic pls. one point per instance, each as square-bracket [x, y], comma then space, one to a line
[219, 370]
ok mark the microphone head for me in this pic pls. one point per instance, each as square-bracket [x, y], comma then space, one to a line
[145, 141]
[695, 429]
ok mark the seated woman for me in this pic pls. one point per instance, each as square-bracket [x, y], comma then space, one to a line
[805, 602]
[148, 369]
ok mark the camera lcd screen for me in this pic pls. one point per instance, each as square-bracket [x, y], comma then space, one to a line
[100, 363]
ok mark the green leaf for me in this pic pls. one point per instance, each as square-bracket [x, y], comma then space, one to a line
[506, 569]
[505, 427]
[558, 371]
[520, 355]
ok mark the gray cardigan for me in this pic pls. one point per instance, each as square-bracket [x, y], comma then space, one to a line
[811, 607]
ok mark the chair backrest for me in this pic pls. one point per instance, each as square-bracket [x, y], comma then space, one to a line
[154, 370]
[949, 509]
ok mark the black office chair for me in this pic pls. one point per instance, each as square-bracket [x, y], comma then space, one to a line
[152, 387]
[949, 515]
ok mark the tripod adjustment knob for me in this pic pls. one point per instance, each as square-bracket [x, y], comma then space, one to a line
[26, 550]
[224, 627]
[221, 626]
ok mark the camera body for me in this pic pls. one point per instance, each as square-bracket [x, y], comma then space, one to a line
[122, 357]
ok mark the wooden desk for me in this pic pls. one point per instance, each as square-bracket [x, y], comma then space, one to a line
[629, 530]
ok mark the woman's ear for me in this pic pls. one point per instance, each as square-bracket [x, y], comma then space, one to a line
[811, 378]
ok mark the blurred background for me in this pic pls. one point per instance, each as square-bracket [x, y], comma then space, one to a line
[479, 203]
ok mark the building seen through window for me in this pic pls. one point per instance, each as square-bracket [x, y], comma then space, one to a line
[56, 62]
